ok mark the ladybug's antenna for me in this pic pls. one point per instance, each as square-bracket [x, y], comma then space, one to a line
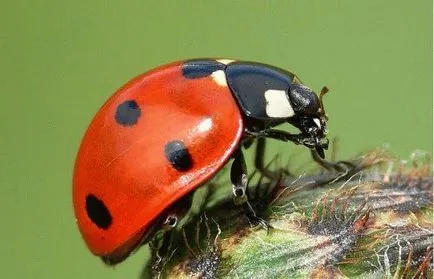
[324, 91]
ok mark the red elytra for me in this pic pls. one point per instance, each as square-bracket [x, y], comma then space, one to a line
[122, 170]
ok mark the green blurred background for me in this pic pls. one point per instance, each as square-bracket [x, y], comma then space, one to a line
[61, 59]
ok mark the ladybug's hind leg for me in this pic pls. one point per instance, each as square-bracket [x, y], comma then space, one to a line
[161, 246]
[239, 181]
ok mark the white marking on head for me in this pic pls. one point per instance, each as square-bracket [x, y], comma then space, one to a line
[317, 122]
[219, 77]
[278, 104]
[204, 125]
[225, 61]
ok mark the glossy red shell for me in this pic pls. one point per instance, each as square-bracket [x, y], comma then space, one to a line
[125, 166]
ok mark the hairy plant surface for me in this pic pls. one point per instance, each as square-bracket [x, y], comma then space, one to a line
[375, 222]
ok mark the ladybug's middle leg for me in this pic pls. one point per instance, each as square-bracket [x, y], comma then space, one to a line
[260, 159]
[239, 181]
[239, 178]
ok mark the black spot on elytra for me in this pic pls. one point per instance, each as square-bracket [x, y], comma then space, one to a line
[200, 68]
[127, 113]
[98, 212]
[177, 154]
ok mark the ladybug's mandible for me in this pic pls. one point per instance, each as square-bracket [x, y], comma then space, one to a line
[168, 131]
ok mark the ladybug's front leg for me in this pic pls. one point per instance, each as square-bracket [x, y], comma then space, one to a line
[342, 167]
[239, 187]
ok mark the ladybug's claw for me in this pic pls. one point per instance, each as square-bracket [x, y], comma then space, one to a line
[344, 169]
[251, 214]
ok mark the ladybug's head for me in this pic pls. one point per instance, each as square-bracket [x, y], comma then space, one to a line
[309, 116]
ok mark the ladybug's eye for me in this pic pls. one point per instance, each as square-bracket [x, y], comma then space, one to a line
[303, 99]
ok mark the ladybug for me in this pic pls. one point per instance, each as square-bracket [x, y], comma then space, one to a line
[170, 130]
